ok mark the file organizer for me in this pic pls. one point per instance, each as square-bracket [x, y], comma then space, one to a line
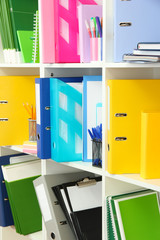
[52, 212]
[14, 91]
[22, 197]
[6, 218]
[126, 100]
[66, 122]
[92, 110]
[85, 12]
[60, 40]
[43, 107]
[42, 86]
[130, 27]
[150, 142]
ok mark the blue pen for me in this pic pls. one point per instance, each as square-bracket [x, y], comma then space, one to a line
[92, 137]
[99, 26]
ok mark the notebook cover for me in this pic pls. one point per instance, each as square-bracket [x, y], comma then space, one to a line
[150, 142]
[140, 217]
[26, 45]
[130, 97]
[16, 90]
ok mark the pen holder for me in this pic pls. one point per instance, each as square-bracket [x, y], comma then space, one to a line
[95, 49]
[96, 153]
[32, 129]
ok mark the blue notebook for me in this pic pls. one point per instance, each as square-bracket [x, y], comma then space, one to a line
[66, 122]
[134, 21]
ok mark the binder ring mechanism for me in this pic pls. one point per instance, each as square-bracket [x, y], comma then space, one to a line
[3, 101]
[120, 138]
[3, 119]
[125, 24]
[86, 182]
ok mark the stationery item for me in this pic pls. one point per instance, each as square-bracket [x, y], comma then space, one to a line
[146, 52]
[26, 45]
[22, 16]
[85, 12]
[22, 196]
[21, 158]
[43, 117]
[95, 49]
[150, 145]
[140, 58]
[66, 121]
[54, 218]
[66, 28]
[138, 215]
[48, 33]
[35, 50]
[149, 45]
[14, 91]
[6, 218]
[85, 213]
[110, 227]
[131, 28]
[92, 88]
[124, 121]
[32, 129]
[30, 146]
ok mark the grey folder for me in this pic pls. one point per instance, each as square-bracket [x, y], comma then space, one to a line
[55, 221]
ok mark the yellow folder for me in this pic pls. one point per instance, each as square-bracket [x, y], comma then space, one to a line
[127, 99]
[150, 145]
[14, 91]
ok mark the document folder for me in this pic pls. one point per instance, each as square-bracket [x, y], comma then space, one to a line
[134, 21]
[150, 142]
[66, 122]
[54, 218]
[126, 100]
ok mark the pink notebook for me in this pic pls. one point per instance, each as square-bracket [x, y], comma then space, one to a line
[60, 30]
[48, 36]
[85, 12]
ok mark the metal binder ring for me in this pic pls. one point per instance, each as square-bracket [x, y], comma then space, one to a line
[3, 102]
[48, 128]
[47, 108]
[3, 119]
[120, 138]
[125, 24]
[121, 115]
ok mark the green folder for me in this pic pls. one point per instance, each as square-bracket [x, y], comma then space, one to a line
[138, 215]
[22, 13]
[26, 45]
[25, 208]
[24, 205]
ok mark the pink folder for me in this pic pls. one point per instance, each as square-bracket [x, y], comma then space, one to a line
[85, 12]
[67, 30]
[47, 31]
[60, 30]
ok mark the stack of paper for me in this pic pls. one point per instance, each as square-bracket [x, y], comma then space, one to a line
[22, 197]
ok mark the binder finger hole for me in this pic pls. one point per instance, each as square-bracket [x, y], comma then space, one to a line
[38, 136]
[53, 236]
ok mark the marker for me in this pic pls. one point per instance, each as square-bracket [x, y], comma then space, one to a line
[88, 29]
[93, 27]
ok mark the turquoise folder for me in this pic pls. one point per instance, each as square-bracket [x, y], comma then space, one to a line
[66, 122]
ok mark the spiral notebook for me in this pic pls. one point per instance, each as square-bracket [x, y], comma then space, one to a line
[35, 50]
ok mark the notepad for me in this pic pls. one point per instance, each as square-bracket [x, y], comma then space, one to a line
[139, 216]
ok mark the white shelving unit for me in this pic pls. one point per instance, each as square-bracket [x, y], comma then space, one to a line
[111, 184]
